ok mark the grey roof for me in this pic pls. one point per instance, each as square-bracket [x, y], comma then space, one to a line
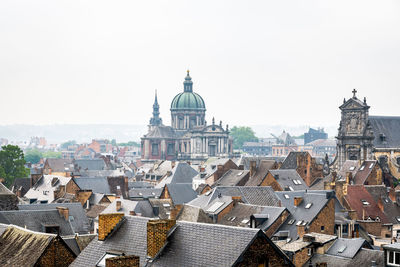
[89, 164]
[139, 184]
[96, 184]
[72, 244]
[182, 173]
[142, 207]
[390, 208]
[193, 214]
[21, 183]
[348, 166]
[145, 192]
[232, 178]
[131, 239]
[363, 258]
[181, 193]
[44, 188]
[290, 161]
[318, 200]
[35, 220]
[262, 170]
[4, 190]
[59, 165]
[241, 212]
[164, 207]
[256, 195]
[289, 179]
[387, 126]
[161, 132]
[347, 247]
[79, 222]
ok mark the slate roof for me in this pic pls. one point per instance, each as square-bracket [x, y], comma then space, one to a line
[390, 208]
[289, 179]
[22, 184]
[363, 258]
[181, 173]
[364, 171]
[256, 195]
[161, 132]
[59, 165]
[181, 193]
[389, 127]
[35, 220]
[262, 170]
[318, 200]
[241, 212]
[79, 222]
[290, 161]
[193, 214]
[350, 245]
[72, 244]
[89, 164]
[142, 207]
[44, 188]
[348, 166]
[135, 193]
[4, 190]
[355, 195]
[164, 207]
[232, 178]
[19, 247]
[96, 184]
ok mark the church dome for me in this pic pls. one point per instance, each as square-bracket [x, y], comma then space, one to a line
[188, 99]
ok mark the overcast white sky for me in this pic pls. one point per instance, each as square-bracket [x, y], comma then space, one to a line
[253, 62]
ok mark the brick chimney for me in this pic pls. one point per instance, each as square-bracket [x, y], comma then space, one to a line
[157, 232]
[63, 211]
[253, 167]
[236, 199]
[123, 261]
[107, 222]
[297, 201]
[301, 230]
[118, 205]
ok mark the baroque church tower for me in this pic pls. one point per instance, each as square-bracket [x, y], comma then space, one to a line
[355, 136]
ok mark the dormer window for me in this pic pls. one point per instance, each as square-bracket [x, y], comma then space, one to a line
[382, 137]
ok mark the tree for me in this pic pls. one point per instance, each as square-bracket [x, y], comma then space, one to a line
[67, 144]
[241, 135]
[33, 156]
[51, 154]
[12, 163]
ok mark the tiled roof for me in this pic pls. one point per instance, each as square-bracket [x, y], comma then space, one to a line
[20, 247]
[386, 126]
[59, 165]
[348, 166]
[89, 164]
[44, 188]
[347, 247]
[363, 258]
[21, 183]
[79, 221]
[35, 220]
[142, 207]
[262, 171]
[363, 203]
[145, 192]
[181, 193]
[96, 184]
[182, 173]
[290, 161]
[289, 179]
[364, 171]
[390, 208]
[4, 190]
[232, 178]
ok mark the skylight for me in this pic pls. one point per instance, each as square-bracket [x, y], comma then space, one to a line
[298, 181]
[299, 222]
[352, 168]
[214, 207]
[291, 222]
[364, 202]
[240, 173]
[232, 219]
[208, 193]
[362, 168]
[291, 188]
[166, 205]
[308, 205]
[342, 249]
[245, 221]
[371, 165]
[286, 196]
[295, 181]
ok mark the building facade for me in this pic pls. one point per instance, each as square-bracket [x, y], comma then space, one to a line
[189, 137]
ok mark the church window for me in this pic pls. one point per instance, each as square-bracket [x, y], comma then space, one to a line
[170, 150]
[154, 149]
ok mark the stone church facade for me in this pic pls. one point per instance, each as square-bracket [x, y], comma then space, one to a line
[189, 137]
[363, 137]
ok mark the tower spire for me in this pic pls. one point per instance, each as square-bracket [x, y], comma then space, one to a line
[156, 120]
[188, 84]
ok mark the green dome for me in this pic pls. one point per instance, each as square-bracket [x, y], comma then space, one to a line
[188, 100]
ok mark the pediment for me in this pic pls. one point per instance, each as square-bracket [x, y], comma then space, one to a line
[353, 103]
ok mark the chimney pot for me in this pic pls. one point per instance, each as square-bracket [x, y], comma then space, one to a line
[297, 201]
[118, 205]
[63, 211]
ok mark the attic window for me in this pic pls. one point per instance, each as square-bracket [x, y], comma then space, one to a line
[102, 261]
[291, 222]
[377, 219]
[232, 219]
[308, 205]
[371, 165]
[342, 249]
[286, 196]
[245, 221]
[364, 202]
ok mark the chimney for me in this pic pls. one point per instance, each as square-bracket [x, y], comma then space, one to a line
[327, 185]
[126, 189]
[392, 194]
[157, 232]
[301, 230]
[202, 169]
[297, 201]
[119, 261]
[118, 205]
[132, 213]
[380, 205]
[63, 211]
[253, 167]
[352, 214]
[236, 199]
[107, 222]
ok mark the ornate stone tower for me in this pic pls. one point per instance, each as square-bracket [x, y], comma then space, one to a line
[355, 136]
[156, 120]
[187, 108]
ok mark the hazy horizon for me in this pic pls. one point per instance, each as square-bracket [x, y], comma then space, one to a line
[254, 63]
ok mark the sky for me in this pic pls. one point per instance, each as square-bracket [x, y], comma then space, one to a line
[280, 62]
